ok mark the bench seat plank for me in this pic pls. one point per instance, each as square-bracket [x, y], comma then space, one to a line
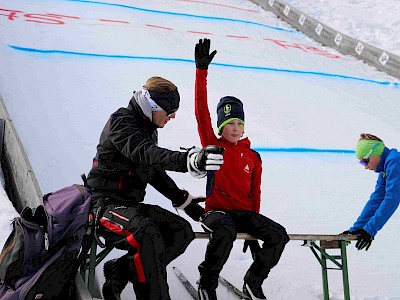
[299, 237]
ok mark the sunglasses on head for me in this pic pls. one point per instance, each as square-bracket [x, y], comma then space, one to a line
[365, 160]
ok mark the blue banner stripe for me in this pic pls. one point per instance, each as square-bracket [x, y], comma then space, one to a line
[185, 15]
[300, 150]
[117, 56]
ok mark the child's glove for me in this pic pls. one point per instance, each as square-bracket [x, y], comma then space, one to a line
[202, 54]
[364, 239]
[254, 247]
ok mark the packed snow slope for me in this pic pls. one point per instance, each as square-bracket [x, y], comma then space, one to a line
[67, 64]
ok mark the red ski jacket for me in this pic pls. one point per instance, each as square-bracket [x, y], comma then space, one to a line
[236, 186]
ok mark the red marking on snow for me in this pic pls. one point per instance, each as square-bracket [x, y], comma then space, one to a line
[53, 19]
[199, 32]
[237, 36]
[114, 21]
[48, 18]
[304, 48]
[11, 13]
[216, 4]
[63, 16]
[161, 27]
[57, 19]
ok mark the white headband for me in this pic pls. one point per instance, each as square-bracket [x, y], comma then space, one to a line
[154, 106]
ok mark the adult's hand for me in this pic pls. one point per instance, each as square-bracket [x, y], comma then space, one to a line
[210, 158]
[194, 210]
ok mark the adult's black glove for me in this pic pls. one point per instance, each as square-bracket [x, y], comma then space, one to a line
[364, 239]
[210, 158]
[194, 210]
[202, 54]
[254, 247]
[191, 205]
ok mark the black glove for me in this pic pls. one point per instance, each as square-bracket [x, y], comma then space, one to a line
[209, 158]
[364, 239]
[254, 247]
[194, 210]
[202, 54]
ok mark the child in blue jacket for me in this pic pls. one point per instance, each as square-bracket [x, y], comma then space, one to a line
[383, 202]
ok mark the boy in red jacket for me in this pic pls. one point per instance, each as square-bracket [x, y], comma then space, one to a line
[233, 193]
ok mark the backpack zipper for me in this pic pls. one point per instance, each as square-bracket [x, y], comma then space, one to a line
[46, 241]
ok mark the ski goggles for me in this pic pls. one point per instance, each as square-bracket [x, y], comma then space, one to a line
[168, 102]
[365, 160]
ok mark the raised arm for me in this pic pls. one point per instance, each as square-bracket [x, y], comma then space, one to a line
[203, 59]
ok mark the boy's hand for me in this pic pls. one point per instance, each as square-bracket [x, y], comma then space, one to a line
[254, 247]
[202, 54]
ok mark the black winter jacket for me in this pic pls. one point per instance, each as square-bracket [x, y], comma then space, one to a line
[128, 158]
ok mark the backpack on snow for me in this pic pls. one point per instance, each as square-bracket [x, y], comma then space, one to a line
[40, 257]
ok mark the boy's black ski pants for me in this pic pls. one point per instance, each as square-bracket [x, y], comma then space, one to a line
[224, 225]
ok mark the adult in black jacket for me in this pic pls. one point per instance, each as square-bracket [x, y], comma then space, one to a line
[127, 159]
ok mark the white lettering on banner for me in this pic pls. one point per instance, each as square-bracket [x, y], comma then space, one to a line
[359, 48]
[319, 28]
[302, 19]
[271, 2]
[384, 58]
[287, 10]
[338, 39]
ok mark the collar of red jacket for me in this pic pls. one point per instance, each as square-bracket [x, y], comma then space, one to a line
[243, 142]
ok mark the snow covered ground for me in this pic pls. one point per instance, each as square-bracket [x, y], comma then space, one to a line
[67, 64]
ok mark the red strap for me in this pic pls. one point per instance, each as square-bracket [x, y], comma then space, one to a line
[132, 241]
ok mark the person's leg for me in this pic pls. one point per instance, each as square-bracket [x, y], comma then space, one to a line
[146, 254]
[116, 274]
[176, 232]
[274, 239]
[223, 234]
[116, 271]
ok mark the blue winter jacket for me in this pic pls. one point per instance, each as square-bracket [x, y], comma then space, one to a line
[386, 197]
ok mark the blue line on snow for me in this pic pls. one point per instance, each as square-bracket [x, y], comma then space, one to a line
[303, 72]
[184, 15]
[43, 51]
[300, 150]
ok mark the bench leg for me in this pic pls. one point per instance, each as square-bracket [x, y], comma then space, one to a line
[324, 275]
[345, 273]
[339, 260]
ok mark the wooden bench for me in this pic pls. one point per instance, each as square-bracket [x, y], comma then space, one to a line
[326, 241]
